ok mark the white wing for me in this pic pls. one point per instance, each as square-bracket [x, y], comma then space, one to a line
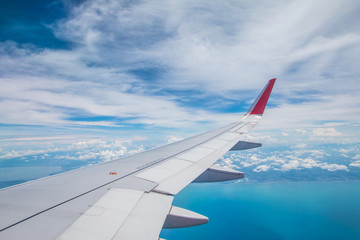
[130, 198]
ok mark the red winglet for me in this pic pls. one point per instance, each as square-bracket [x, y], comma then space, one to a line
[259, 105]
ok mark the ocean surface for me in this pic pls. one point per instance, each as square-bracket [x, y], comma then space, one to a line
[272, 210]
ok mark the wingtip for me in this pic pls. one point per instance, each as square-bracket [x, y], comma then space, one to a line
[260, 103]
[273, 80]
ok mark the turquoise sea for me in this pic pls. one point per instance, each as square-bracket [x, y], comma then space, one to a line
[272, 210]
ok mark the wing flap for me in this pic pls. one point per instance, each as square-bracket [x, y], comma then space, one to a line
[109, 212]
[120, 214]
[147, 219]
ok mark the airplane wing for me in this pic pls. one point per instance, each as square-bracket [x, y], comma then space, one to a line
[129, 198]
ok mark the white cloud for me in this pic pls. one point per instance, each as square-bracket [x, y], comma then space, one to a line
[301, 131]
[34, 106]
[172, 139]
[342, 150]
[87, 149]
[261, 168]
[21, 153]
[293, 164]
[334, 167]
[286, 160]
[222, 49]
[260, 137]
[300, 145]
[309, 163]
[329, 132]
[355, 164]
[227, 162]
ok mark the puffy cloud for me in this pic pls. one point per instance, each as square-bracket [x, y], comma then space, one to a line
[292, 164]
[83, 150]
[261, 168]
[355, 164]
[285, 160]
[301, 131]
[300, 145]
[330, 132]
[21, 153]
[309, 163]
[227, 162]
[334, 167]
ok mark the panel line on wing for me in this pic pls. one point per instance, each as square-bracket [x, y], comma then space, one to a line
[196, 154]
[164, 170]
[215, 143]
[119, 214]
[228, 136]
[112, 216]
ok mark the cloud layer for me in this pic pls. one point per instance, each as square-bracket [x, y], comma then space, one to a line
[303, 158]
[187, 65]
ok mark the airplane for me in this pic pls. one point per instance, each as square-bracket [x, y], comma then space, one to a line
[128, 198]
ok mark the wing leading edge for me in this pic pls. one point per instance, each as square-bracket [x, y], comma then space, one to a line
[129, 198]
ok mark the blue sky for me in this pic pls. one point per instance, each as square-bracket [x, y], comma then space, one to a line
[79, 74]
